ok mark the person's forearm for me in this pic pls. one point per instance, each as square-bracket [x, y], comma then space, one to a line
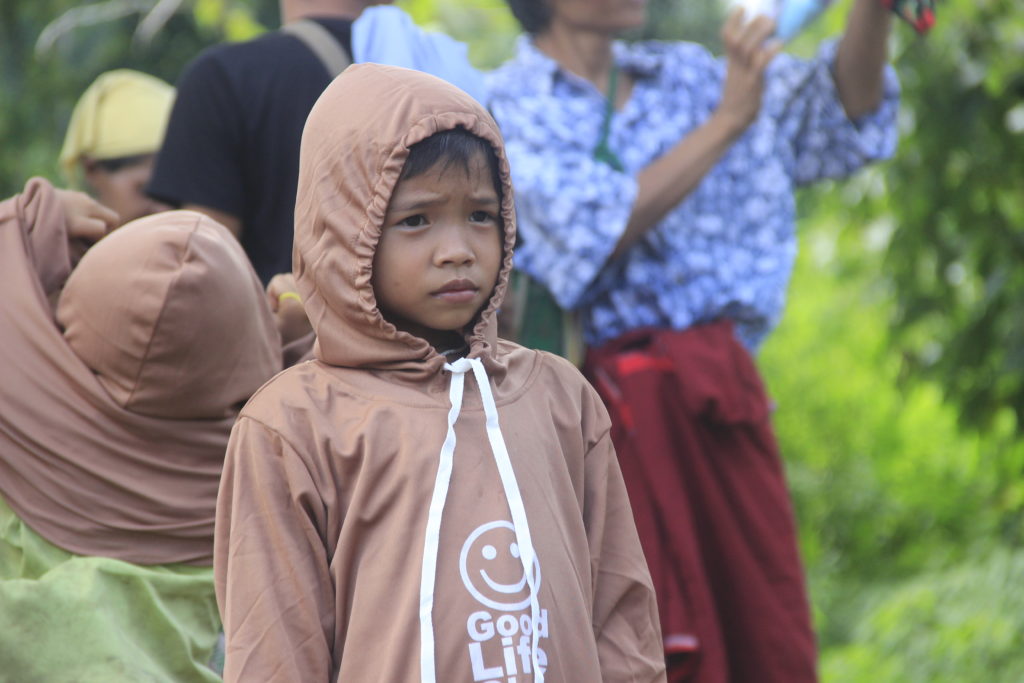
[670, 178]
[230, 221]
[861, 59]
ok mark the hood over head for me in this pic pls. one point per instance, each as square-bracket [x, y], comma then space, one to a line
[354, 146]
[170, 316]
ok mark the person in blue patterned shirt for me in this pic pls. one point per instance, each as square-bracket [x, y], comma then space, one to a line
[655, 198]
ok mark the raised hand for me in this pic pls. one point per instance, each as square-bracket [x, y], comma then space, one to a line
[286, 304]
[87, 219]
[748, 49]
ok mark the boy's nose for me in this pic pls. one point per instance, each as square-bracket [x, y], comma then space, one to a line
[454, 247]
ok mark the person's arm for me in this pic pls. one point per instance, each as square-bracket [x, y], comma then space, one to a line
[576, 215]
[669, 179]
[625, 611]
[273, 581]
[229, 220]
[862, 57]
[297, 336]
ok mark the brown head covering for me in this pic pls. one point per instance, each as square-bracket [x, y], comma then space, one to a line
[158, 311]
[112, 433]
[345, 184]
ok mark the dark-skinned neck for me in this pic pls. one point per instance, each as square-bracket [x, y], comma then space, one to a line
[587, 54]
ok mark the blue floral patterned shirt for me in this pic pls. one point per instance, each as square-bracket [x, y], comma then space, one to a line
[728, 248]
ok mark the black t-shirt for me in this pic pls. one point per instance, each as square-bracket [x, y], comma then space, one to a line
[232, 142]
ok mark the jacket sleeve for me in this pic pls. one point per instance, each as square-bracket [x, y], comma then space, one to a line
[39, 216]
[803, 99]
[626, 625]
[270, 562]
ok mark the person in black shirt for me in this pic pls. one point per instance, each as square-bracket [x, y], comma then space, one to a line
[231, 149]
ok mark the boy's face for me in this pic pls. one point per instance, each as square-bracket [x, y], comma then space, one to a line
[123, 190]
[605, 16]
[440, 251]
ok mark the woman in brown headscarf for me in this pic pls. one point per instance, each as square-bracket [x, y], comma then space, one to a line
[115, 411]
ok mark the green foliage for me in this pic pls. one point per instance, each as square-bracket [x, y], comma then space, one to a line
[964, 624]
[235, 22]
[699, 21]
[487, 26]
[490, 30]
[895, 373]
[885, 482]
[38, 89]
[955, 192]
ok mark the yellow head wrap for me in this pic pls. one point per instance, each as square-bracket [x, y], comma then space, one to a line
[123, 113]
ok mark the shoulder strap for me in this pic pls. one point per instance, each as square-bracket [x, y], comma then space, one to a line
[603, 152]
[321, 43]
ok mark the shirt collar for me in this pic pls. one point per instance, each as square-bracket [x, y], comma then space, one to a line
[636, 58]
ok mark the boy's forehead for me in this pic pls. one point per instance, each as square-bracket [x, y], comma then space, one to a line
[448, 178]
[466, 164]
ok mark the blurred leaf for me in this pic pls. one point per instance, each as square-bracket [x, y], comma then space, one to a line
[39, 88]
[964, 624]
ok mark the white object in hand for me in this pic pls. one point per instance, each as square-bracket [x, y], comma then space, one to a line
[790, 16]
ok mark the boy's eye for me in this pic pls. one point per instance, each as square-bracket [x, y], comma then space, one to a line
[481, 217]
[416, 221]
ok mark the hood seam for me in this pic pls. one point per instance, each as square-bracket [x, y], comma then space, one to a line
[163, 307]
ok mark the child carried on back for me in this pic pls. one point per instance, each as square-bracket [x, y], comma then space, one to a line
[423, 501]
[121, 373]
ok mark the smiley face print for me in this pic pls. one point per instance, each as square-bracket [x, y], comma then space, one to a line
[492, 569]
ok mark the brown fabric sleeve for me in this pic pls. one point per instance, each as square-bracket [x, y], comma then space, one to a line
[273, 580]
[625, 616]
[40, 216]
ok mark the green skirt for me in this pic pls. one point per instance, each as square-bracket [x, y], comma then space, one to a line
[68, 618]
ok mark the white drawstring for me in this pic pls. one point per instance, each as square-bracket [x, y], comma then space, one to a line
[514, 496]
[441, 483]
[433, 536]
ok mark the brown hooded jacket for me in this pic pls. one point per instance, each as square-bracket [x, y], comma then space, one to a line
[339, 533]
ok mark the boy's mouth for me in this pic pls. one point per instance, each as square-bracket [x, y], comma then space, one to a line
[456, 291]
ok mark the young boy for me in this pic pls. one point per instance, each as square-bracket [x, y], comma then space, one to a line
[382, 517]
